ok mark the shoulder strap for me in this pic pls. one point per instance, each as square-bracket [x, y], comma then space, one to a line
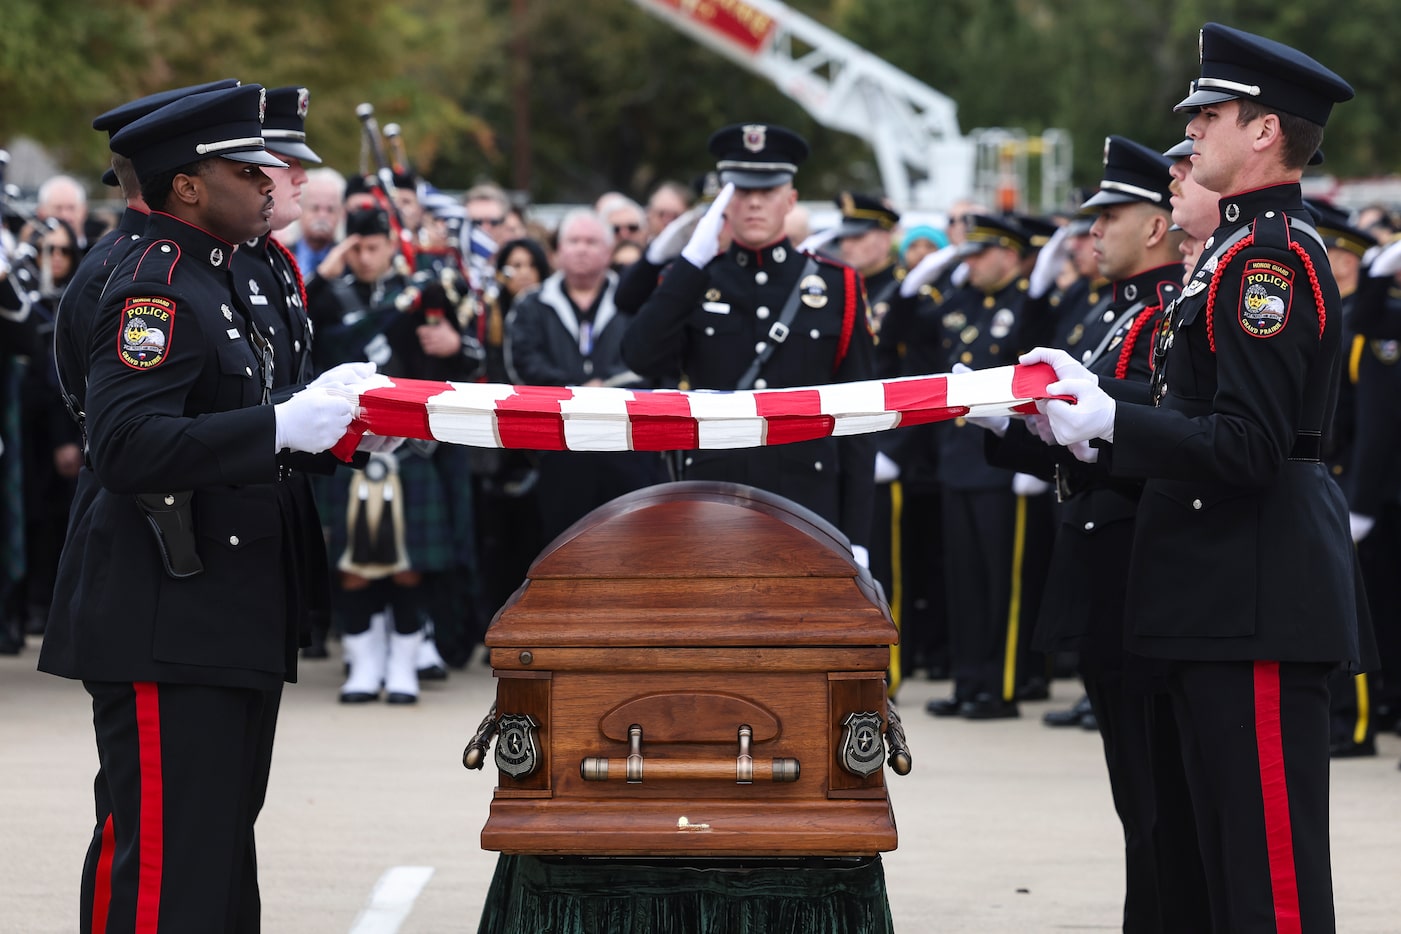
[779, 332]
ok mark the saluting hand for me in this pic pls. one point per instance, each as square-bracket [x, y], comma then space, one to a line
[705, 242]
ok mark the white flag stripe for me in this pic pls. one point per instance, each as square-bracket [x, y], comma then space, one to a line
[726, 433]
[722, 405]
[597, 434]
[863, 424]
[981, 386]
[852, 398]
[597, 400]
[475, 428]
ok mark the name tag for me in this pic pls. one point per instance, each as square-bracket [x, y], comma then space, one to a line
[716, 308]
[258, 299]
[233, 334]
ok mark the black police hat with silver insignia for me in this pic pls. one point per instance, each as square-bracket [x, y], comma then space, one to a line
[284, 124]
[1241, 65]
[981, 231]
[1335, 227]
[1132, 172]
[757, 155]
[120, 117]
[1039, 230]
[367, 222]
[863, 213]
[227, 124]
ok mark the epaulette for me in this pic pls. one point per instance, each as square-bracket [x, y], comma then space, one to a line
[1168, 291]
[157, 262]
[1271, 231]
[822, 260]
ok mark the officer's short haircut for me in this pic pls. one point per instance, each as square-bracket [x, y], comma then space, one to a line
[1301, 137]
[156, 189]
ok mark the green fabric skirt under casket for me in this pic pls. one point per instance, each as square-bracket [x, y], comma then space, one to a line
[572, 895]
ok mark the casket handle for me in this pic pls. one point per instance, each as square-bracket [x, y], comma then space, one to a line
[474, 756]
[900, 760]
[740, 770]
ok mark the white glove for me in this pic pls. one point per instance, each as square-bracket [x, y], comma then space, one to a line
[927, 270]
[667, 244]
[1049, 263]
[1024, 484]
[1066, 366]
[705, 242]
[818, 240]
[959, 276]
[1084, 452]
[1091, 415]
[1040, 426]
[1360, 526]
[377, 444]
[862, 556]
[343, 375]
[997, 424]
[887, 471]
[313, 420]
[1387, 262]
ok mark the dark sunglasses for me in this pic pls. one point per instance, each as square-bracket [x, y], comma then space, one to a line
[492, 221]
[630, 228]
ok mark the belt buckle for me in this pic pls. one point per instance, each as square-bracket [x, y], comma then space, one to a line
[1062, 485]
[779, 332]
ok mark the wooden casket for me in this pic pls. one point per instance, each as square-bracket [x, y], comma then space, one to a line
[693, 669]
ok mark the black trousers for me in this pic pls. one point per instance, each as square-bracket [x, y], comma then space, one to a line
[183, 772]
[1255, 748]
[979, 535]
[1164, 885]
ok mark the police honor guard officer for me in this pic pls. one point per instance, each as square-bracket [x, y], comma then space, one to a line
[762, 316]
[1242, 571]
[175, 603]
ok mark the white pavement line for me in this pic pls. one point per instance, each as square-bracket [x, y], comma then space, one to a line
[392, 900]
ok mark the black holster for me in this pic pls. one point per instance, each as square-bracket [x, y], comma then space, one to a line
[172, 520]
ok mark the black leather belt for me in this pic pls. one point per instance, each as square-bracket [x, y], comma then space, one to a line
[1308, 446]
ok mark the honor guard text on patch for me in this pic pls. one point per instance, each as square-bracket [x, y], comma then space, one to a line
[1266, 289]
[144, 339]
[814, 292]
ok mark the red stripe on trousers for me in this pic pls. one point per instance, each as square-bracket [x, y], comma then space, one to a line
[152, 839]
[1274, 789]
[102, 881]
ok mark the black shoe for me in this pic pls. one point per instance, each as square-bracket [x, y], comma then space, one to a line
[317, 648]
[11, 640]
[433, 673]
[988, 707]
[1089, 723]
[943, 707]
[358, 697]
[1070, 716]
[1035, 689]
[397, 698]
[1347, 749]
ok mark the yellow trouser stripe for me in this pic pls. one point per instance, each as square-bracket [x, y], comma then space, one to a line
[1359, 731]
[897, 583]
[1014, 606]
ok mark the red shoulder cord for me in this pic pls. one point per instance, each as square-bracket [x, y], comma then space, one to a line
[296, 270]
[1121, 368]
[848, 316]
[1236, 248]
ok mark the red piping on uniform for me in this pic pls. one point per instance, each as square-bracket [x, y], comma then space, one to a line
[848, 315]
[1274, 790]
[102, 879]
[151, 835]
[1216, 280]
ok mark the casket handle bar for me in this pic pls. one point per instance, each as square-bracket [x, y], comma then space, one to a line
[474, 756]
[900, 760]
[740, 770]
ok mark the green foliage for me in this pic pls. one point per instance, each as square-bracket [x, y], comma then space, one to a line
[617, 99]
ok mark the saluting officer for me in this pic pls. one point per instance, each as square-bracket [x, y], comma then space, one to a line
[761, 315]
[1242, 572]
[866, 238]
[174, 607]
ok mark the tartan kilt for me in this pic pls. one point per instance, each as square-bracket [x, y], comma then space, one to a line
[429, 493]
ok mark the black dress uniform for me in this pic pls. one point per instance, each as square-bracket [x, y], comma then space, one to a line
[711, 324]
[1083, 608]
[1242, 567]
[181, 640]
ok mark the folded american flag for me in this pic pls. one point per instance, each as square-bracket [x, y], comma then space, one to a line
[598, 418]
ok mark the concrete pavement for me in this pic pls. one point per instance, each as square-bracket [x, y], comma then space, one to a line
[1005, 826]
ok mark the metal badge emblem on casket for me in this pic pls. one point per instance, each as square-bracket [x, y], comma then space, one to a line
[861, 743]
[517, 750]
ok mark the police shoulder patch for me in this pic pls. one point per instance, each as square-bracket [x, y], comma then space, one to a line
[144, 339]
[1266, 290]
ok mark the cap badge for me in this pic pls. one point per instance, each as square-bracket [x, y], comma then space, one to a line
[216, 257]
[1233, 212]
[754, 137]
[1131, 291]
[303, 99]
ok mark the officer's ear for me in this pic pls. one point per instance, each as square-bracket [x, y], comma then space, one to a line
[186, 188]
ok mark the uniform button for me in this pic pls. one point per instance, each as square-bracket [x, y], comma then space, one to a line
[814, 333]
[817, 465]
[709, 332]
[1089, 526]
[966, 357]
[761, 383]
[165, 248]
[169, 500]
[248, 370]
[297, 346]
[760, 347]
[761, 312]
[1196, 504]
[690, 461]
[761, 277]
[1108, 317]
[272, 330]
[1085, 357]
[1269, 213]
[233, 539]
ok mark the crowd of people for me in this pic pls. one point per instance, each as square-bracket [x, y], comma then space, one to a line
[1263, 449]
